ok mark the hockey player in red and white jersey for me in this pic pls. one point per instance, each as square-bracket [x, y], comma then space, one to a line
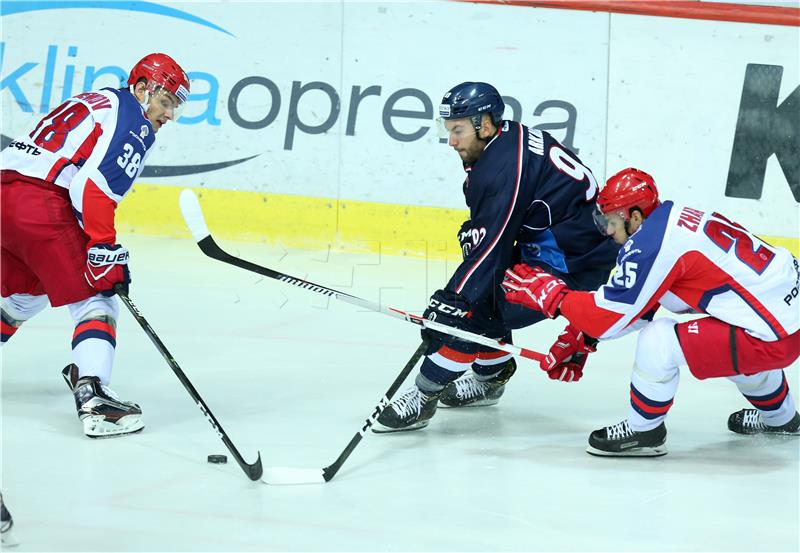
[59, 187]
[687, 261]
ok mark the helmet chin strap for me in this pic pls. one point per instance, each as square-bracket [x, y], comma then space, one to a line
[146, 101]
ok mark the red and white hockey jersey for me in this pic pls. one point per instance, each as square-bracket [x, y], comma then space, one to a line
[688, 260]
[95, 144]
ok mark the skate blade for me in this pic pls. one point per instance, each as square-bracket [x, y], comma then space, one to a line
[480, 403]
[657, 451]
[378, 428]
[96, 426]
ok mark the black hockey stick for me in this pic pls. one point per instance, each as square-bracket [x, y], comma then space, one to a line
[193, 215]
[288, 475]
[253, 471]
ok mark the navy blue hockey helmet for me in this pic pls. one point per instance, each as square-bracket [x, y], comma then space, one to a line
[472, 100]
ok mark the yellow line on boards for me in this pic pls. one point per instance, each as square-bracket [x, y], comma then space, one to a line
[311, 223]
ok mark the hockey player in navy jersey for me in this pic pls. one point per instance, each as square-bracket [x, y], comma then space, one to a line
[687, 261]
[60, 187]
[530, 199]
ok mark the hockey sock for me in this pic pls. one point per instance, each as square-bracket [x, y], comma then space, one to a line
[655, 376]
[769, 393]
[428, 386]
[8, 326]
[93, 345]
[489, 364]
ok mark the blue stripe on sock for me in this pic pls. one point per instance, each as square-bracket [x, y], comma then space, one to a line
[99, 334]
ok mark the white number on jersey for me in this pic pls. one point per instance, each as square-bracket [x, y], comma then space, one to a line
[566, 164]
[130, 164]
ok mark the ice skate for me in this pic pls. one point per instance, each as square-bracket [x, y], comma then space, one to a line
[469, 391]
[411, 411]
[620, 441]
[103, 414]
[7, 537]
[748, 421]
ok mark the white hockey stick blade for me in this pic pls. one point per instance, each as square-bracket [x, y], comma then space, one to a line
[289, 476]
[193, 214]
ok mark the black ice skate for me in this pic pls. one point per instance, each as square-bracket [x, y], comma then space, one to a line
[620, 441]
[412, 410]
[103, 414]
[6, 524]
[468, 391]
[748, 421]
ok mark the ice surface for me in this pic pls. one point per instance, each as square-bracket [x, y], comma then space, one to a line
[294, 375]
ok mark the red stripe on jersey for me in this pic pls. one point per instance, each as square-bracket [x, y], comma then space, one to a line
[456, 356]
[650, 408]
[705, 275]
[94, 325]
[85, 149]
[463, 282]
[56, 169]
[98, 215]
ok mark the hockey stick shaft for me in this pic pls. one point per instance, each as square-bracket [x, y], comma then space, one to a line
[192, 213]
[253, 471]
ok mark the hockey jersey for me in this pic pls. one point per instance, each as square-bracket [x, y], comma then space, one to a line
[95, 145]
[527, 188]
[688, 260]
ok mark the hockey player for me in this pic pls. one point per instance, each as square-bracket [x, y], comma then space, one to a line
[530, 198]
[685, 260]
[60, 187]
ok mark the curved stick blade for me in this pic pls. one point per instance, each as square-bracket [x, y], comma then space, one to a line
[193, 214]
[292, 476]
[255, 470]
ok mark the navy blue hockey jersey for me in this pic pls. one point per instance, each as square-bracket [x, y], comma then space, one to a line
[527, 188]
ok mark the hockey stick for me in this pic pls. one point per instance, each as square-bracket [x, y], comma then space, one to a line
[287, 475]
[253, 471]
[193, 215]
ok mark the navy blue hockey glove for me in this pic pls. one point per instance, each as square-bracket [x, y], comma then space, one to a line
[447, 308]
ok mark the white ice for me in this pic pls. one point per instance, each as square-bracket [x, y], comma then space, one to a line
[292, 375]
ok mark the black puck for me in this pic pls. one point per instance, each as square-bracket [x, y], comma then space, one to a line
[217, 459]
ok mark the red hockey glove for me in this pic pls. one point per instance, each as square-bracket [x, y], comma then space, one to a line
[534, 288]
[568, 355]
[107, 266]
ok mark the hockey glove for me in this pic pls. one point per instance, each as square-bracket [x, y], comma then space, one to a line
[447, 308]
[534, 288]
[107, 266]
[568, 355]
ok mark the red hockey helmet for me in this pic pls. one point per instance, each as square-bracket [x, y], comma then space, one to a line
[161, 71]
[630, 188]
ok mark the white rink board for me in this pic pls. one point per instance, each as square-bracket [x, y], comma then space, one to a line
[672, 98]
